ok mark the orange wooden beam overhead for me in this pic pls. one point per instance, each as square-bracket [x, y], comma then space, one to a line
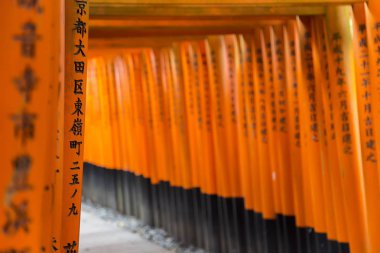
[117, 9]
[101, 45]
[188, 22]
[178, 27]
[273, 3]
[120, 11]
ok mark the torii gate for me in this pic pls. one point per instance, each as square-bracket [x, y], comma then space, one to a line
[43, 59]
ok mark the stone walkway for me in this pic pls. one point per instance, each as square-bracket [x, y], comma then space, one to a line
[100, 236]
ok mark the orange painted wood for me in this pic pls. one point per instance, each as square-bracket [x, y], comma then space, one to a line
[76, 46]
[342, 74]
[29, 77]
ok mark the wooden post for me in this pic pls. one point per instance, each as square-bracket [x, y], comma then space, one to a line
[342, 74]
[320, 75]
[76, 32]
[29, 81]
[294, 123]
[364, 96]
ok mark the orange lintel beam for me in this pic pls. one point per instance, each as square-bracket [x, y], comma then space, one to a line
[138, 42]
[185, 22]
[181, 26]
[270, 3]
[169, 31]
[198, 8]
[101, 10]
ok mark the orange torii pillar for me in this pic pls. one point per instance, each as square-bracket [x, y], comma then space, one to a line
[342, 78]
[76, 46]
[29, 81]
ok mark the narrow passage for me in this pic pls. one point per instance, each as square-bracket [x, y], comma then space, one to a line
[101, 236]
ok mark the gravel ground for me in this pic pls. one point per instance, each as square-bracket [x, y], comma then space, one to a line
[155, 235]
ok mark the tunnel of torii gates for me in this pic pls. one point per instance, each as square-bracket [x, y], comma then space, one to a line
[236, 126]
